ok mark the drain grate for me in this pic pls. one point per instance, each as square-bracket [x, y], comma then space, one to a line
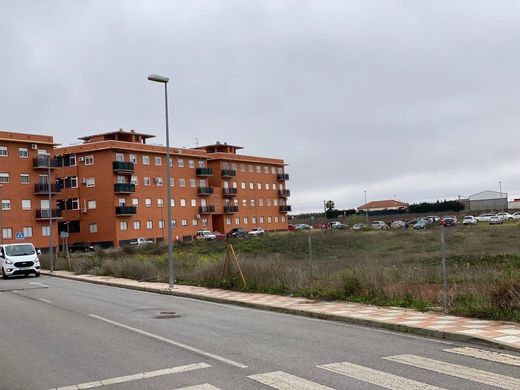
[166, 314]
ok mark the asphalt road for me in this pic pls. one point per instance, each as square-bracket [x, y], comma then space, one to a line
[56, 333]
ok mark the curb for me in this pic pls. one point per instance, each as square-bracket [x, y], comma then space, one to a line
[304, 313]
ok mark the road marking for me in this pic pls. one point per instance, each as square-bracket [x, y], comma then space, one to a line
[44, 300]
[456, 370]
[503, 358]
[38, 284]
[172, 342]
[378, 378]
[135, 377]
[283, 381]
[205, 386]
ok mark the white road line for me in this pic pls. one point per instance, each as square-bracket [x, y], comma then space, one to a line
[172, 342]
[38, 284]
[205, 386]
[283, 381]
[456, 370]
[378, 378]
[44, 300]
[503, 358]
[135, 377]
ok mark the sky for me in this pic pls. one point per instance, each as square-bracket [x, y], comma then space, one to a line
[408, 100]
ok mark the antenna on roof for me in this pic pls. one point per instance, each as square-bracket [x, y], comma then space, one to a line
[196, 139]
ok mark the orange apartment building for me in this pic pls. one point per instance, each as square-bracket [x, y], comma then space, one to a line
[112, 188]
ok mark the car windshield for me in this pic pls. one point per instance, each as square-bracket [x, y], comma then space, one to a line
[19, 250]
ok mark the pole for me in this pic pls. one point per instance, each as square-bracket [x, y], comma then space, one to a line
[50, 212]
[444, 270]
[325, 210]
[168, 192]
[310, 260]
[366, 209]
[1, 221]
[501, 200]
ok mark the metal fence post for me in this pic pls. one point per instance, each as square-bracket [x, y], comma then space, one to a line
[310, 257]
[444, 270]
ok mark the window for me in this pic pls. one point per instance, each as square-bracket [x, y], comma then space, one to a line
[121, 179]
[243, 185]
[180, 163]
[24, 178]
[269, 220]
[182, 183]
[253, 220]
[149, 224]
[23, 152]
[89, 160]
[26, 204]
[246, 221]
[3, 151]
[172, 181]
[234, 167]
[194, 203]
[174, 223]
[120, 157]
[268, 202]
[252, 203]
[234, 184]
[183, 202]
[191, 163]
[260, 202]
[276, 219]
[160, 202]
[275, 202]
[280, 170]
[273, 170]
[69, 160]
[73, 204]
[192, 183]
[283, 219]
[225, 166]
[171, 162]
[159, 181]
[158, 160]
[195, 222]
[228, 221]
[258, 186]
[148, 202]
[146, 160]
[266, 169]
[27, 231]
[202, 183]
[184, 222]
[244, 202]
[242, 167]
[91, 204]
[266, 186]
[4, 178]
[204, 222]
[202, 164]
[123, 225]
[172, 202]
[251, 185]
[274, 187]
[258, 169]
[161, 224]
[237, 221]
[132, 158]
[8, 232]
[92, 228]
[135, 202]
[6, 204]
[250, 168]
[45, 231]
[261, 219]
[146, 181]
[90, 181]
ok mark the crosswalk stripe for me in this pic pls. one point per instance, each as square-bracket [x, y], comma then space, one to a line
[456, 370]
[503, 358]
[378, 378]
[283, 381]
[205, 386]
[135, 377]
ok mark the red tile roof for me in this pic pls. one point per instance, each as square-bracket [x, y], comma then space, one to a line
[383, 204]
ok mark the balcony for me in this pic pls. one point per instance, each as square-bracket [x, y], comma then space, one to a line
[48, 213]
[42, 162]
[284, 193]
[202, 172]
[285, 209]
[123, 211]
[122, 167]
[204, 191]
[228, 173]
[282, 176]
[43, 188]
[206, 209]
[230, 209]
[229, 192]
[124, 188]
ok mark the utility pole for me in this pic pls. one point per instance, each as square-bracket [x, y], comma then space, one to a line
[366, 208]
[50, 211]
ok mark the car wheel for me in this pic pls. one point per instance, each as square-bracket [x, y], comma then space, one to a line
[4, 276]
[37, 275]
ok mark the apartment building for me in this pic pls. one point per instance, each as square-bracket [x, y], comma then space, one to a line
[111, 189]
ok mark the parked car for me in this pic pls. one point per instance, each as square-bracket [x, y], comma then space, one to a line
[378, 225]
[433, 218]
[469, 220]
[256, 232]
[398, 225]
[496, 220]
[141, 241]
[340, 226]
[485, 217]
[205, 235]
[291, 227]
[219, 236]
[330, 225]
[80, 247]
[237, 233]
[516, 215]
[449, 221]
[505, 216]
[303, 226]
[19, 259]
[358, 226]
[422, 224]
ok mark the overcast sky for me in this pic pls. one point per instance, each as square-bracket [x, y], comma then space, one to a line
[412, 100]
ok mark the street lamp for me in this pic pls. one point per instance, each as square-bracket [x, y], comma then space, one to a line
[366, 208]
[50, 211]
[1, 221]
[164, 80]
[501, 200]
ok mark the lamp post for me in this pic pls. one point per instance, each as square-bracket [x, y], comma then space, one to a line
[501, 200]
[366, 208]
[164, 80]
[50, 211]
[1, 221]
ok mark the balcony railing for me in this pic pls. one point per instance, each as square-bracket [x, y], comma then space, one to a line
[284, 193]
[205, 191]
[126, 210]
[228, 173]
[204, 171]
[124, 188]
[282, 176]
[43, 188]
[122, 167]
[284, 209]
[229, 192]
[42, 162]
[206, 209]
[49, 213]
[230, 209]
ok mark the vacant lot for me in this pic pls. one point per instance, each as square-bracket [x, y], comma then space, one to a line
[398, 268]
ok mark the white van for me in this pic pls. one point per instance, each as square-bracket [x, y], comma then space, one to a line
[19, 259]
[204, 235]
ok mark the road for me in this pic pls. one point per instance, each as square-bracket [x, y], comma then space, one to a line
[57, 333]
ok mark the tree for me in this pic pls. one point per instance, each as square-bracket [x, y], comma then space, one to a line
[329, 205]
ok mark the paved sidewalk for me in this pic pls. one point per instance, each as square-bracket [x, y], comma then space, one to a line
[497, 333]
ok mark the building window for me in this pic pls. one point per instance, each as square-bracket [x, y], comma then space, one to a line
[26, 204]
[269, 219]
[202, 164]
[23, 152]
[89, 160]
[195, 222]
[149, 224]
[274, 187]
[283, 219]
[251, 185]
[172, 202]
[184, 222]
[266, 186]
[273, 170]
[148, 202]
[202, 183]
[258, 186]
[191, 164]
[146, 160]
[120, 157]
[246, 221]
[258, 169]
[160, 202]
[27, 231]
[174, 223]
[275, 219]
[275, 202]
[280, 170]
[194, 203]
[228, 221]
[266, 169]
[183, 202]
[182, 183]
[268, 201]
[7, 232]
[4, 178]
[91, 204]
[261, 219]
[46, 232]
[250, 168]
[253, 220]
[6, 204]
[192, 183]
[3, 151]
[135, 202]
[244, 202]
[252, 203]
[180, 163]
[158, 160]
[225, 166]
[204, 222]
[90, 181]
[260, 202]
[24, 178]
[161, 224]
[92, 228]
[242, 167]
[158, 181]
[132, 158]
[237, 221]
[172, 181]
[123, 225]
[146, 181]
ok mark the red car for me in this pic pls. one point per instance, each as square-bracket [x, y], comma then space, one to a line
[449, 221]
[219, 236]
[291, 227]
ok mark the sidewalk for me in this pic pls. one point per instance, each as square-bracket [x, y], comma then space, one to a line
[496, 333]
